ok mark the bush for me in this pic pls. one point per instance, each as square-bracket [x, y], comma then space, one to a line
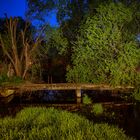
[4, 79]
[97, 109]
[109, 51]
[51, 124]
[136, 94]
[86, 100]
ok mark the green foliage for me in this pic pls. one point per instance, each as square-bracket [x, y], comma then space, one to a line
[110, 115]
[79, 73]
[136, 94]
[51, 124]
[4, 79]
[58, 41]
[104, 51]
[66, 9]
[97, 109]
[15, 79]
[86, 100]
[36, 73]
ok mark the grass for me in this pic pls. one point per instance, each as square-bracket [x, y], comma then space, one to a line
[51, 124]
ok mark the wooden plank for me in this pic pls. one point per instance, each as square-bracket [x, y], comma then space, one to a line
[65, 86]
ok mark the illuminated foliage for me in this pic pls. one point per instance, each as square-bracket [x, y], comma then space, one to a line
[51, 124]
[104, 51]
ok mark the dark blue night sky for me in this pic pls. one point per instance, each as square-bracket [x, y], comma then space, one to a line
[18, 7]
[12, 7]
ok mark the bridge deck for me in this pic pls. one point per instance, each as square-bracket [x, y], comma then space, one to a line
[65, 86]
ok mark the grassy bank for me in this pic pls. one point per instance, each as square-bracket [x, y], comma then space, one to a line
[51, 124]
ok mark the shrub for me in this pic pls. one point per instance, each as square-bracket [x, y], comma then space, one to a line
[109, 51]
[51, 124]
[4, 79]
[136, 94]
[86, 100]
[97, 109]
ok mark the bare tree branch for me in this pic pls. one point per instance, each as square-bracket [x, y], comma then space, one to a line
[20, 58]
[5, 51]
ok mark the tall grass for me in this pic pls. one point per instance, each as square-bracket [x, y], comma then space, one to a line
[51, 124]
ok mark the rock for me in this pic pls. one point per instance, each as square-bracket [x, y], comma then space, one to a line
[6, 92]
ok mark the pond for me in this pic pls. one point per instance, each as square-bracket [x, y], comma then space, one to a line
[118, 108]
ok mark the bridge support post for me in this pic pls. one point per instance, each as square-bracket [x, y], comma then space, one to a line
[78, 95]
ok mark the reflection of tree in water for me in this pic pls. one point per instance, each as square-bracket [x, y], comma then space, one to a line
[49, 95]
[64, 96]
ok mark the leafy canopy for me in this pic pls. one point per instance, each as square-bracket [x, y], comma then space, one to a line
[104, 51]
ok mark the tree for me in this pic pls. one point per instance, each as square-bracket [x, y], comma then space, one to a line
[18, 46]
[55, 67]
[104, 51]
[69, 12]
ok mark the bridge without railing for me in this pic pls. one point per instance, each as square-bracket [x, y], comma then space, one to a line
[65, 86]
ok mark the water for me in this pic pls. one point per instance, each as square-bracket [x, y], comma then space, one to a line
[119, 108]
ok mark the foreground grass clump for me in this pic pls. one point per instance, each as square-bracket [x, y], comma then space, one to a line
[51, 124]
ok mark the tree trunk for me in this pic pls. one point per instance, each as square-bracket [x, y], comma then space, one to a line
[19, 58]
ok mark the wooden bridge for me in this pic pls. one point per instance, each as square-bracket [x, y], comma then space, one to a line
[65, 86]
